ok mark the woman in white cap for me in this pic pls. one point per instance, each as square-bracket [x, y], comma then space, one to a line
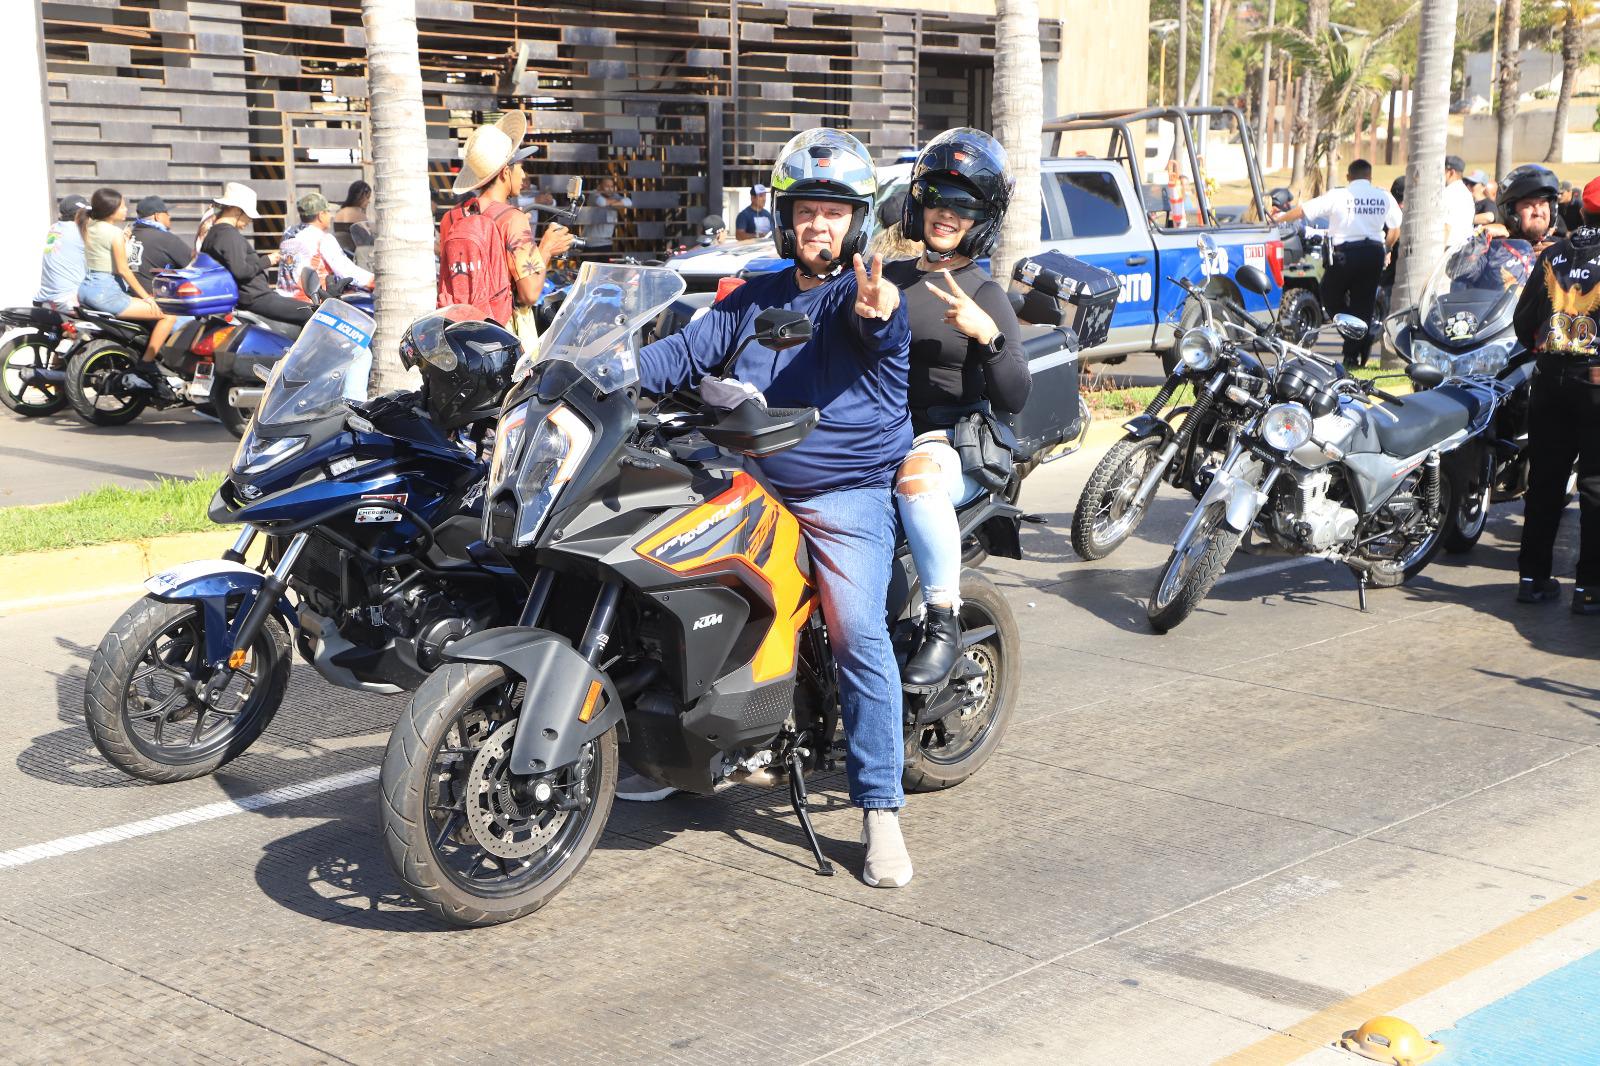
[226, 243]
[487, 256]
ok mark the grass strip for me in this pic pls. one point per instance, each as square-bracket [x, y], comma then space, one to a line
[1105, 398]
[109, 514]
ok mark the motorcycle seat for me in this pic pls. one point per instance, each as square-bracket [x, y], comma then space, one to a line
[1423, 419]
[287, 330]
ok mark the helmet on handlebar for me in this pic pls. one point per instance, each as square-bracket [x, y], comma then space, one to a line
[1529, 181]
[466, 364]
[965, 170]
[823, 164]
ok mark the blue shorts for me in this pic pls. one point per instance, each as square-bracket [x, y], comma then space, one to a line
[101, 291]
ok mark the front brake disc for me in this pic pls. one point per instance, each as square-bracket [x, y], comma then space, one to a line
[501, 824]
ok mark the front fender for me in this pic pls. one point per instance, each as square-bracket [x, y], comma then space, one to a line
[559, 686]
[1142, 427]
[1241, 501]
[210, 583]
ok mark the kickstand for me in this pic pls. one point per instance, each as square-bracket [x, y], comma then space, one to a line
[1361, 591]
[797, 796]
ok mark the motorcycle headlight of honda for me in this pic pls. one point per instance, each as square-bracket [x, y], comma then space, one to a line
[1199, 348]
[1286, 426]
[535, 461]
[256, 455]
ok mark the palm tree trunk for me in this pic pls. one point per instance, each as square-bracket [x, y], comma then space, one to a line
[1018, 122]
[1307, 122]
[1422, 231]
[1262, 117]
[404, 241]
[1571, 53]
[1510, 88]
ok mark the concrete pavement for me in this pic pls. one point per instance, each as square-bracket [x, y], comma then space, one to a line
[46, 460]
[1188, 847]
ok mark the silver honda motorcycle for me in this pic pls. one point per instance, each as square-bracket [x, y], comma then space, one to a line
[1331, 466]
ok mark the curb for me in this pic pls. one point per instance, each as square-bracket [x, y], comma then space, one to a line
[35, 581]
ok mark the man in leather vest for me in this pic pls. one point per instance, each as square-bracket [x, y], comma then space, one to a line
[1558, 317]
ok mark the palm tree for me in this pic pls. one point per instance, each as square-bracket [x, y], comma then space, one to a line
[1018, 125]
[1305, 120]
[404, 245]
[1510, 71]
[1571, 54]
[1422, 232]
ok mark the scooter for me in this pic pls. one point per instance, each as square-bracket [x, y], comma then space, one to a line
[369, 513]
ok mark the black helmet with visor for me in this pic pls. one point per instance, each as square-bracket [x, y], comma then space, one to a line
[466, 364]
[964, 170]
[823, 164]
[1529, 181]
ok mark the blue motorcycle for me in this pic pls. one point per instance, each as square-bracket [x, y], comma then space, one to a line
[371, 517]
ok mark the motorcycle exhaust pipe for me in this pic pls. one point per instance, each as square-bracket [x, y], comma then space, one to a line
[242, 397]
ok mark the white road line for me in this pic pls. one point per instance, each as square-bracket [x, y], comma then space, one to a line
[1270, 568]
[50, 849]
[67, 599]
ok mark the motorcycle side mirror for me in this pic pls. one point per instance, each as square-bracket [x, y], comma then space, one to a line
[1207, 244]
[779, 329]
[1350, 327]
[1253, 279]
[309, 282]
[1424, 375]
[712, 223]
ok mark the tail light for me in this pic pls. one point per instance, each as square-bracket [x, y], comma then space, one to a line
[1275, 261]
[207, 345]
[188, 288]
[727, 285]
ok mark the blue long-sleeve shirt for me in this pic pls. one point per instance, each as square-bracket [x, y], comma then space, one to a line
[853, 370]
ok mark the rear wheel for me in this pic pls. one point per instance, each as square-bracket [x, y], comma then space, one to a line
[1108, 510]
[947, 752]
[141, 704]
[20, 359]
[474, 843]
[1192, 570]
[1398, 558]
[95, 384]
[1300, 313]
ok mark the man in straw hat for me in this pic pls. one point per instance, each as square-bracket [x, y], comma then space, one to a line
[225, 242]
[487, 256]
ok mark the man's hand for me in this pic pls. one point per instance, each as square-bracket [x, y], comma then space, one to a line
[962, 312]
[875, 297]
[555, 242]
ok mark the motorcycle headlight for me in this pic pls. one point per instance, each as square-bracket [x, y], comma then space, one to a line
[256, 454]
[1199, 348]
[1490, 359]
[1286, 426]
[1425, 353]
[536, 461]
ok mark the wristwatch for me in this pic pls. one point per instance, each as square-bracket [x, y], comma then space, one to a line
[996, 347]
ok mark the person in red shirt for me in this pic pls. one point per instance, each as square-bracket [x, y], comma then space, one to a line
[492, 167]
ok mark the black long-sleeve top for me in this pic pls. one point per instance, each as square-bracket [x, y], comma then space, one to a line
[232, 249]
[947, 367]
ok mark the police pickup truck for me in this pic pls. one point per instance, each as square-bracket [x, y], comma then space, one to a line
[1097, 210]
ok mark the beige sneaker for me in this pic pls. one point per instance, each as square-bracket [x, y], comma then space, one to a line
[888, 864]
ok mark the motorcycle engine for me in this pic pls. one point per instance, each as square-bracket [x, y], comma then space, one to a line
[1317, 517]
[429, 618]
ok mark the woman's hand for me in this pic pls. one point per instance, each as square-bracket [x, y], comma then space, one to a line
[875, 297]
[555, 241]
[963, 312]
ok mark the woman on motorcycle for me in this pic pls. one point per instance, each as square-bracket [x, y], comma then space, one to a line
[966, 351]
[110, 285]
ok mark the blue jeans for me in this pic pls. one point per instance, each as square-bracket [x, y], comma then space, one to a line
[928, 505]
[850, 538]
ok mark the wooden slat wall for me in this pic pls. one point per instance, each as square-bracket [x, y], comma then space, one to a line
[676, 98]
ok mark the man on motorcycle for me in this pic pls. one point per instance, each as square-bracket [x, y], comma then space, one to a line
[316, 247]
[836, 482]
[1558, 317]
[1528, 207]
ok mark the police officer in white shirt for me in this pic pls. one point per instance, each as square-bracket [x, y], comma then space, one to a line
[1361, 219]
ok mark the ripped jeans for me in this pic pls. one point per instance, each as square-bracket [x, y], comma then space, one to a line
[928, 489]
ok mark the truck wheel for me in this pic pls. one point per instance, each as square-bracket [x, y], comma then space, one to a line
[1300, 311]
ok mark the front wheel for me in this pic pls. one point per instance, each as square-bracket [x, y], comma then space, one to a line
[1299, 315]
[141, 700]
[1192, 569]
[474, 843]
[21, 390]
[947, 752]
[1109, 510]
[1470, 516]
[96, 386]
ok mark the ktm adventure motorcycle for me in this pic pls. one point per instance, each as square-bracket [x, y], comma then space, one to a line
[671, 621]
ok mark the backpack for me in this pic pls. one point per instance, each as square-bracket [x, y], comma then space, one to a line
[472, 260]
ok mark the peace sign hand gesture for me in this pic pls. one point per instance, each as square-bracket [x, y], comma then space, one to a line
[875, 297]
[963, 312]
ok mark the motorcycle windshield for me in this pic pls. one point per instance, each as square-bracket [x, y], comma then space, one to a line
[328, 365]
[595, 328]
[1473, 291]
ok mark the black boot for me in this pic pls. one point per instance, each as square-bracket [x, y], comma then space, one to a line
[930, 667]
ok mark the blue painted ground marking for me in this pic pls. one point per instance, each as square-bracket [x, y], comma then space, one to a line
[1554, 1021]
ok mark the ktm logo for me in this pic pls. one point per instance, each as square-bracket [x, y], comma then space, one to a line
[707, 621]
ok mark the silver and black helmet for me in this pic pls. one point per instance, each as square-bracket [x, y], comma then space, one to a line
[823, 164]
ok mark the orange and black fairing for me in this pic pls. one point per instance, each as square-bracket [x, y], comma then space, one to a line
[748, 529]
